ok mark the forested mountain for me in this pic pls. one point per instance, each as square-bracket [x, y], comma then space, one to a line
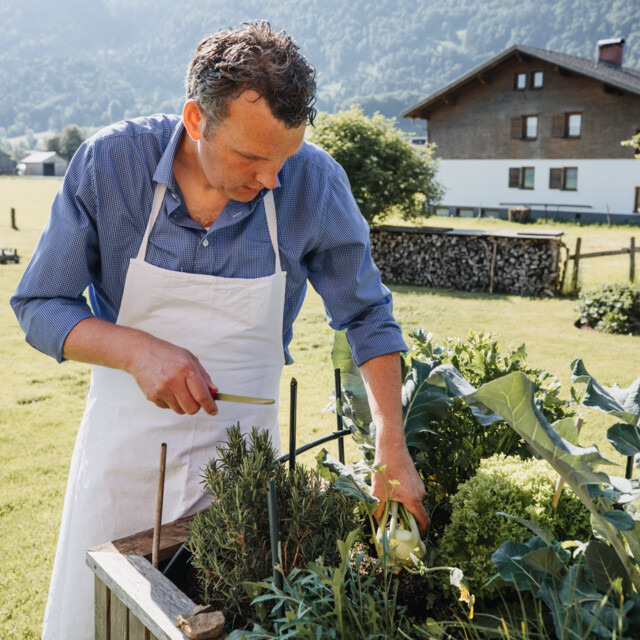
[90, 62]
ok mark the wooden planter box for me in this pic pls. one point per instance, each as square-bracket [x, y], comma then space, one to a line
[133, 600]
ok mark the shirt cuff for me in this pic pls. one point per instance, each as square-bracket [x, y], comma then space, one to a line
[370, 341]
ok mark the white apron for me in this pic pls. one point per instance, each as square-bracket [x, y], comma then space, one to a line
[234, 327]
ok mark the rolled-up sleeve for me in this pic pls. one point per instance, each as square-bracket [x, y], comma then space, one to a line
[342, 271]
[49, 300]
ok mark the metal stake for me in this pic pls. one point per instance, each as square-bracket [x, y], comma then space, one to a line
[339, 413]
[293, 403]
[275, 542]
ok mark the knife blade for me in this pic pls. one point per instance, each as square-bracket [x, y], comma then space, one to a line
[230, 397]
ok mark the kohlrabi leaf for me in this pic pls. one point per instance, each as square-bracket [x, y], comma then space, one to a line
[350, 377]
[622, 403]
[456, 386]
[605, 565]
[421, 403]
[621, 520]
[625, 438]
[546, 559]
[533, 526]
[509, 560]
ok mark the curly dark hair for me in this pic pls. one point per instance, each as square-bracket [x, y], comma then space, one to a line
[252, 57]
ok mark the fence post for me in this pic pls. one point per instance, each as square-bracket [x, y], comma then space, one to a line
[576, 264]
[632, 259]
[13, 219]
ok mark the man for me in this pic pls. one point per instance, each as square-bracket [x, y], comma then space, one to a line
[195, 237]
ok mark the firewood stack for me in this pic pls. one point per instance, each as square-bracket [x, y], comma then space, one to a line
[470, 261]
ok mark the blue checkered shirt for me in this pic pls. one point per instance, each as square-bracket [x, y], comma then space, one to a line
[100, 214]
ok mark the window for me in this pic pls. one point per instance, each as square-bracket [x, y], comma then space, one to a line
[570, 179]
[636, 204]
[565, 178]
[530, 127]
[521, 177]
[566, 125]
[527, 177]
[524, 128]
[573, 124]
[537, 79]
[520, 81]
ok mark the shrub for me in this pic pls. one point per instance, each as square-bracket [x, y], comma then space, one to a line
[230, 541]
[386, 173]
[610, 308]
[519, 488]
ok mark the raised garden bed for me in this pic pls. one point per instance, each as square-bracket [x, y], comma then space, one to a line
[134, 600]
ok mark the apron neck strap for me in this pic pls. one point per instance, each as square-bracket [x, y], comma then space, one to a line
[272, 223]
[269, 206]
[158, 197]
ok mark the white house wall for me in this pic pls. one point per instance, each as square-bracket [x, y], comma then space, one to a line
[602, 184]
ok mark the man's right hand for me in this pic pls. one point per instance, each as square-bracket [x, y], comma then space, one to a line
[171, 377]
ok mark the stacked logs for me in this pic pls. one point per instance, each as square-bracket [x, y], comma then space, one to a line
[468, 261]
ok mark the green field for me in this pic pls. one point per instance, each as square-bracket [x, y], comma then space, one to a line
[42, 402]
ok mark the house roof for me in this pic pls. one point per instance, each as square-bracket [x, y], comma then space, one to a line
[621, 78]
[37, 157]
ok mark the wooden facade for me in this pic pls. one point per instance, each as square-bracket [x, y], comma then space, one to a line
[477, 123]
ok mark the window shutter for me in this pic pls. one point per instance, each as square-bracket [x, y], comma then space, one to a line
[514, 178]
[557, 126]
[516, 128]
[555, 178]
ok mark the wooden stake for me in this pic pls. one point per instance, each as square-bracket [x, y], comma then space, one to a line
[493, 266]
[13, 219]
[560, 483]
[158, 523]
[576, 266]
[632, 259]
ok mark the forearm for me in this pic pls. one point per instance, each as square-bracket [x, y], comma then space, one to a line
[103, 343]
[383, 382]
[169, 376]
[398, 478]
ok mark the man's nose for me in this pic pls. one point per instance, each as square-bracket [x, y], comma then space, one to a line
[268, 176]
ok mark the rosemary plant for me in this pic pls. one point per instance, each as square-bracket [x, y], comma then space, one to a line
[230, 542]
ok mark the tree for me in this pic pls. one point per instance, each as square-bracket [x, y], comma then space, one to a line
[67, 143]
[387, 174]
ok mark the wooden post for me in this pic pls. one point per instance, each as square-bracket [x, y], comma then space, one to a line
[576, 266]
[632, 259]
[13, 219]
[493, 266]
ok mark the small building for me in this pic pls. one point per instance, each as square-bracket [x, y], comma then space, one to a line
[7, 165]
[539, 129]
[43, 163]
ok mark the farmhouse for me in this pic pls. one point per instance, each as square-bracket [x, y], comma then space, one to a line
[541, 129]
[43, 163]
[7, 165]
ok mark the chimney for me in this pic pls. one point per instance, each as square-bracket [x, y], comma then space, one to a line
[610, 51]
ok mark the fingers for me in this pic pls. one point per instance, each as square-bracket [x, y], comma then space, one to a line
[173, 378]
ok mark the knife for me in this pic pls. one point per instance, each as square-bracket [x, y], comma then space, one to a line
[230, 397]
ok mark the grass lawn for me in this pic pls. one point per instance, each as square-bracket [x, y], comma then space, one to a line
[42, 402]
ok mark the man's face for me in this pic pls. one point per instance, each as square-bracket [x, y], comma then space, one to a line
[244, 153]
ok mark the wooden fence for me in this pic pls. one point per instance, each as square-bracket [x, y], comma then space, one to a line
[577, 256]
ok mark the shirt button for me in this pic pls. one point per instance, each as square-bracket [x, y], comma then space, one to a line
[205, 243]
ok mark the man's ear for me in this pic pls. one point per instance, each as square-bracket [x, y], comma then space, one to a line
[194, 119]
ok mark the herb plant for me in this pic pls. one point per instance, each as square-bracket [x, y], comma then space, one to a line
[230, 541]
